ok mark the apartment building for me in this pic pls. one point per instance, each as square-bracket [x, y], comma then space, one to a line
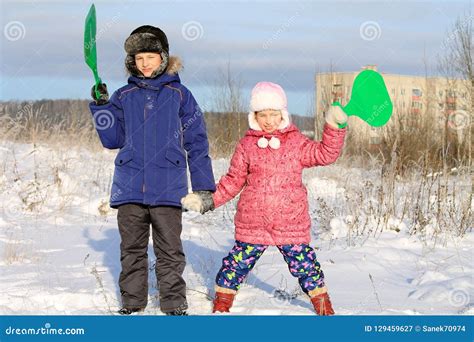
[412, 96]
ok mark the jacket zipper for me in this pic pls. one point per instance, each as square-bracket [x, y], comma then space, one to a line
[144, 129]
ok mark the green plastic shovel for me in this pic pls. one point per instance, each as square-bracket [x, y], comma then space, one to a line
[90, 51]
[369, 99]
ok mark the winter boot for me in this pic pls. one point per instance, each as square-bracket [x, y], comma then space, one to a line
[223, 302]
[322, 304]
[177, 312]
[129, 311]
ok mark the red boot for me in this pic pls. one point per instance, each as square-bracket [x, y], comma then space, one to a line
[223, 302]
[322, 304]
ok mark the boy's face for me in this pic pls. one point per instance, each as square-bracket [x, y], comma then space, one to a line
[147, 62]
[268, 119]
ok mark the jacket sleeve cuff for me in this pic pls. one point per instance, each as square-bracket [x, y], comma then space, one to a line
[333, 129]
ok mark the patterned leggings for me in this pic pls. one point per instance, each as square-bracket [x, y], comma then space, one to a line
[301, 260]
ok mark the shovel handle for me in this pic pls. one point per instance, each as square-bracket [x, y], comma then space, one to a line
[97, 82]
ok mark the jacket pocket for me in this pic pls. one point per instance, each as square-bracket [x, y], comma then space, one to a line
[177, 158]
[124, 156]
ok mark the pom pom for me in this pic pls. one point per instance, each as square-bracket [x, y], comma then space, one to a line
[262, 142]
[274, 143]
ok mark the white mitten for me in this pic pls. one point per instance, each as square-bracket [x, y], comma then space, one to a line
[335, 116]
[192, 202]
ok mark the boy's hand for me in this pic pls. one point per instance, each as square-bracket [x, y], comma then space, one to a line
[200, 201]
[104, 95]
[336, 116]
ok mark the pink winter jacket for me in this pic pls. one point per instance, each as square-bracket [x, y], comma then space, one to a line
[273, 206]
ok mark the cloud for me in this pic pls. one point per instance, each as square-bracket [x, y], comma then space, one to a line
[285, 41]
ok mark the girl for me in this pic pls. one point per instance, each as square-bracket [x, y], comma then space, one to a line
[273, 208]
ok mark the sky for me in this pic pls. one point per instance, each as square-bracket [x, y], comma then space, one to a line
[285, 42]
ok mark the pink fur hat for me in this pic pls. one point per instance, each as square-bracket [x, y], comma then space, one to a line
[267, 95]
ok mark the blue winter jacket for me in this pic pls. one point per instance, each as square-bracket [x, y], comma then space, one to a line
[159, 129]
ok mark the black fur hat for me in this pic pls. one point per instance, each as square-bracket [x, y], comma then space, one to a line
[146, 38]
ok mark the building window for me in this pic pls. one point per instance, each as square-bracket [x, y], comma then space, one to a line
[416, 92]
[337, 92]
[402, 91]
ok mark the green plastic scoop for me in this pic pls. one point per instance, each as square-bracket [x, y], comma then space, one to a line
[369, 99]
[90, 51]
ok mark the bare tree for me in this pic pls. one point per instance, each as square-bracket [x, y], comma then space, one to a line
[228, 94]
[456, 63]
[229, 124]
[327, 90]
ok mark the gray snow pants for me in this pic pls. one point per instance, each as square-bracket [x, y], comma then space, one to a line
[134, 226]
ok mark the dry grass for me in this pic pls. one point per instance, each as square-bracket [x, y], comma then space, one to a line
[30, 123]
[409, 141]
[434, 206]
[423, 177]
[13, 252]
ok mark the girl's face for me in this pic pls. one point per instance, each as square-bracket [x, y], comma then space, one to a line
[147, 62]
[268, 120]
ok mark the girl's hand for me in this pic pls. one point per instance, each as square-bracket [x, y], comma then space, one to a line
[336, 116]
[200, 201]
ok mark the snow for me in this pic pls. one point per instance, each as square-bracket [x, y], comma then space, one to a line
[59, 246]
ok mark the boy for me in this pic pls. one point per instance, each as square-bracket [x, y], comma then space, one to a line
[157, 125]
